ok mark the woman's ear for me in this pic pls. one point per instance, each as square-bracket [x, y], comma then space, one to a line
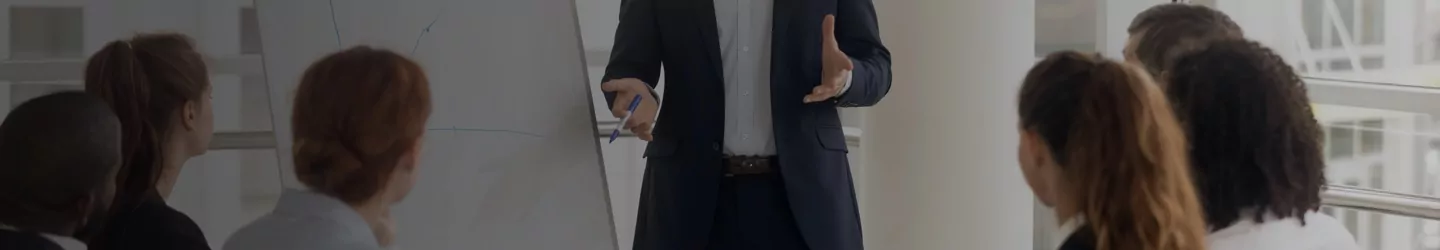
[82, 211]
[189, 115]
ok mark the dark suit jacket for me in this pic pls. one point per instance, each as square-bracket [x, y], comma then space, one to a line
[1082, 239]
[683, 169]
[150, 225]
[13, 240]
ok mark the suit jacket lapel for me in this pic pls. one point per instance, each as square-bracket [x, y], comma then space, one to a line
[709, 35]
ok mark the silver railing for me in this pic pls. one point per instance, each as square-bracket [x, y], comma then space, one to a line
[1337, 196]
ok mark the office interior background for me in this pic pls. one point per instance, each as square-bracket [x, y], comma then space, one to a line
[1373, 69]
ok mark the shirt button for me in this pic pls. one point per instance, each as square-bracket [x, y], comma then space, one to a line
[744, 93]
[744, 48]
[715, 146]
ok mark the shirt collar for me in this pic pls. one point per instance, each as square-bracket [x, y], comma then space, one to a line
[1066, 229]
[302, 203]
[65, 242]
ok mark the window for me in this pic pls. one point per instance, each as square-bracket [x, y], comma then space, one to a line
[221, 190]
[45, 32]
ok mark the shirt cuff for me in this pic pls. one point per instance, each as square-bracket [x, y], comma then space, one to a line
[845, 87]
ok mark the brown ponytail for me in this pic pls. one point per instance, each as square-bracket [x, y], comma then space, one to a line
[146, 80]
[1121, 151]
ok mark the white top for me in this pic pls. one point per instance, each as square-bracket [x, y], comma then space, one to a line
[65, 242]
[305, 220]
[744, 27]
[1320, 232]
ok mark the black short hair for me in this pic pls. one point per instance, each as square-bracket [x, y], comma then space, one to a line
[1167, 30]
[1255, 143]
[56, 151]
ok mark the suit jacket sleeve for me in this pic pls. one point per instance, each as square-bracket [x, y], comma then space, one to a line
[636, 53]
[858, 34]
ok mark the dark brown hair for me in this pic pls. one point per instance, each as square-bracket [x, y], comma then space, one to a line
[1167, 30]
[1254, 140]
[59, 150]
[357, 113]
[147, 80]
[1120, 150]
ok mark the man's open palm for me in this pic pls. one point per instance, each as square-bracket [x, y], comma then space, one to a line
[835, 65]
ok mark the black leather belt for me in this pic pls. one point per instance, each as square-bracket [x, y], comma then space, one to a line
[749, 165]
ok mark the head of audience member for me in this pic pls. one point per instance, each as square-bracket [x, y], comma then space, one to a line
[358, 120]
[1255, 144]
[1099, 142]
[159, 87]
[1161, 32]
[61, 154]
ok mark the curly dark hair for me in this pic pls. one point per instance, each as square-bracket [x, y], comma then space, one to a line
[1255, 143]
[1167, 30]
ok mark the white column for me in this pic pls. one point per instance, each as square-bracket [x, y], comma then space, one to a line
[940, 149]
[4, 56]
[1400, 19]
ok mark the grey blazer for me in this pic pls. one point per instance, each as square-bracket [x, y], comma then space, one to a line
[306, 220]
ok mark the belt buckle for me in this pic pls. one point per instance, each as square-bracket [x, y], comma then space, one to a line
[744, 165]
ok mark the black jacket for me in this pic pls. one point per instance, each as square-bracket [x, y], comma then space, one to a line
[683, 171]
[1082, 239]
[14, 240]
[151, 225]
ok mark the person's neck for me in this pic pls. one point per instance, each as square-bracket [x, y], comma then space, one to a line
[175, 157]
[1065, 211]
[376, 213]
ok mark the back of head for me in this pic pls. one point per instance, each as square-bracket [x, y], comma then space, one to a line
[1161, 32]
[60, 153]
[1120, 151]
[357, 113]
[1254, 140]
[147, 80]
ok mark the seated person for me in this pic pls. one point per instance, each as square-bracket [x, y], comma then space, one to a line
[1255, 149]
[1098, 143]
[61, 153]
[359, 115]
[1161, 32]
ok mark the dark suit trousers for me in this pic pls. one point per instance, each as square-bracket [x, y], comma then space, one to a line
[753, 213]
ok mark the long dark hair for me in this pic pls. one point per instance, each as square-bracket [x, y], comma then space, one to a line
[1120, 150]
[1254, 140]
[147, 79]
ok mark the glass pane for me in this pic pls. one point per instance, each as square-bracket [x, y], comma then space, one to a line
[45, 32]
[1382, 231]
[1382, 149]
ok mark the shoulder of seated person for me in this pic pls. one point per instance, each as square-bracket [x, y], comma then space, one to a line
[284, 232]
[1319, 232]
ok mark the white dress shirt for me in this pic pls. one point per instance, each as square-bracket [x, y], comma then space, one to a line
[744, 27]
[306, 220]
[1320, 232]
[65, 242]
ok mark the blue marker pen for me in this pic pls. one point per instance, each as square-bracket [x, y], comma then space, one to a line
[631, 111]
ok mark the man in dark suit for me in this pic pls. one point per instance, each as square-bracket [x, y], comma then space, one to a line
[748, 152]
[59, 154]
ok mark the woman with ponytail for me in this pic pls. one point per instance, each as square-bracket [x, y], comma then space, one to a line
[1100, 145]
[160, 89]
